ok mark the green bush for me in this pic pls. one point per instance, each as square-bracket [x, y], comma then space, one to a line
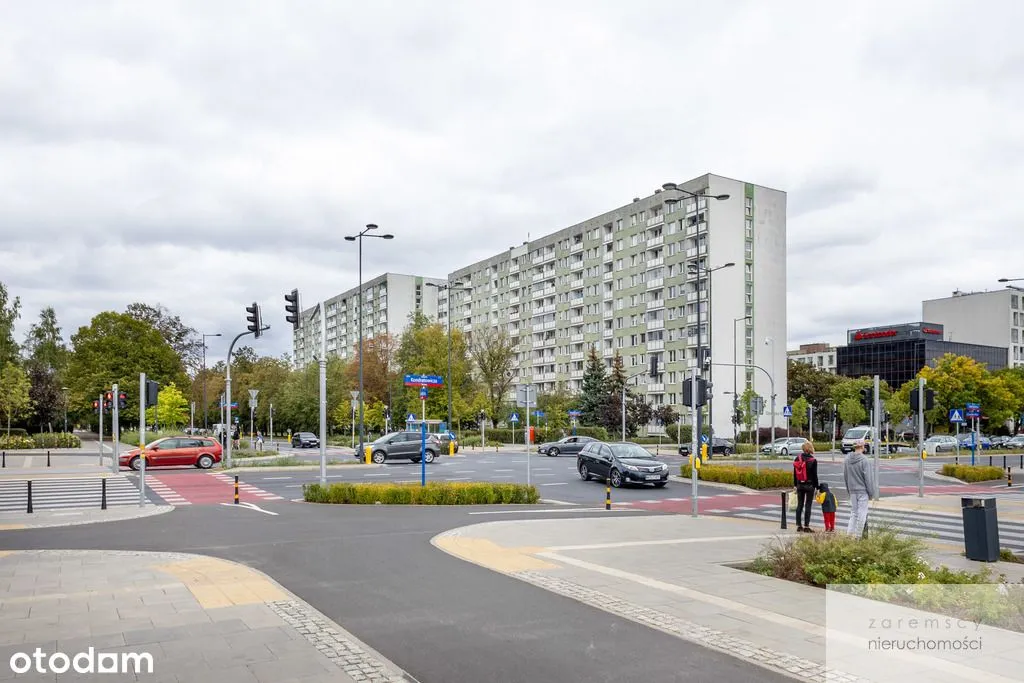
[56, 440]
[15, 442]
[434, 493]
[767, 478]
[14, 431]
[246, 453]
[972, 473]
[467, 441]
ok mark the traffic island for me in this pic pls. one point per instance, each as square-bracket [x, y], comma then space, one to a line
[434, 493]
[747, 477]
[972, 473]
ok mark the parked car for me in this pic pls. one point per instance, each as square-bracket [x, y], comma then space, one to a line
[720, 447]
[785, 446]
[170, 451]
[622, 463]
[445, 438]
[999, 441]
[404, 446]
[305, 440]
[937, 443]
[984, 443]
[1016, 442]
[570, 445]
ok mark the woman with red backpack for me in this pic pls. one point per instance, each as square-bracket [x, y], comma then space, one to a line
[805, 479]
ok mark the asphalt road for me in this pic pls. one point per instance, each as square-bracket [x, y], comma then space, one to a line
[373, 570]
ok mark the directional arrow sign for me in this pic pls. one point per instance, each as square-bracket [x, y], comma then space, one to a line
[253, 393]
[787, 411]
[956, 415]
[703, 438]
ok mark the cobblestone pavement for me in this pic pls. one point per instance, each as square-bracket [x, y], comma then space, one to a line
[198, 619]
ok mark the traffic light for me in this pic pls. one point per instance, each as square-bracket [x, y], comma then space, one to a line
[702, 392]
[122, 400]
[915, 400]
[253, 316]
[152, 392]
[108, 401]
[96, 406]
[867, 399]
[929, 399]
[292, 308]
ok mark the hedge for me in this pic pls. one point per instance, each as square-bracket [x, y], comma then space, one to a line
[502, 435]
[767, 478]
[56, 440]
[970, 474]
[434, 493]
[15, 442]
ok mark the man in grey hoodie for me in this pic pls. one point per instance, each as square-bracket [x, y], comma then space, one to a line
[859, 478]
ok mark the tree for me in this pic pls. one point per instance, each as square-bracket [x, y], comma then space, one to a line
[183, 339]
[171, 409]
[493, 353]
[815, 385]
[749, 417]
[424, 350]
[666, 415]
[10, 311]
[638, 411]
[46, 366]
[799, 417]
[14, 393]
[594, 391]
[851, 412]
[848, 389]
[379, 368]
[115, 348]
[556, 405]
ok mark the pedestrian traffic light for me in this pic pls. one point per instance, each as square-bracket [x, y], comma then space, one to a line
[292, 308]
[152, 392]
[108, 401]
[929, 399]
[122, 400]
[701, 393]
[867, 398]
[96, 406]
[915, 399]
[253, 316]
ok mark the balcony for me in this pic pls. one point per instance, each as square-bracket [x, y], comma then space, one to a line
[494, 306]
[576, 265]
[608, 276]
[576, 355]
[655, 283]
[514, 284]
[655, 220]
[655, 324]
[655, 262]
[608, 256]
[654, 304]
[549, 341]
[538, 327]
[607, 334]
[576, 374]
[576, 320]
[657, 388]
[467, 327]
[608, 237]
[607, 353]
[514, 315]
[576, 337]
[576, 247]
[538, 344]
[691, 318]
[692, 296]
[538, 276]
[550, 325]
[514, 268]
[513, 299]
[549, 308]
[608, 295]
[656, 241]
[656, 345]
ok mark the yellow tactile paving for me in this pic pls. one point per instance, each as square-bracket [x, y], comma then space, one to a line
[216, 583]
[11, 527]
[491, 555]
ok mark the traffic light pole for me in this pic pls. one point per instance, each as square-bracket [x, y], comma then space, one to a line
[920, 436]
[227, 399]
[877, 427]
[115, 431]
[101, 427]
[142, 439]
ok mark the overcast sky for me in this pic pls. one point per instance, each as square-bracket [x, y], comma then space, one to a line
[205, 154]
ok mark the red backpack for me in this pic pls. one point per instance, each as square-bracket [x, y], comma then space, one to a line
[800, 468]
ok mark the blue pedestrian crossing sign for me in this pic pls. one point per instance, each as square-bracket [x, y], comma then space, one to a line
[411, 418]
[787, 411]
[956, 415]
[703, 438]
[514, 418]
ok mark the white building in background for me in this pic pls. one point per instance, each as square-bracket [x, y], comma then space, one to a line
[388, 302]
[620, 282]
[993, 318]
[821, 356]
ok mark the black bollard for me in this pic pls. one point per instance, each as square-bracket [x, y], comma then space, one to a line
[29, 510]
[608, 494]
[785, 507]
[47, 458]
[236, 489]
[103, 494]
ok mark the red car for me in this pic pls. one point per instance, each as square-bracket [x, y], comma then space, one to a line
[198, 451]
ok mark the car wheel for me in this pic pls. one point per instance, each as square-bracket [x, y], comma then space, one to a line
[784, 451]
[204, 462]
[616, 478]
[584, 472]
[552, 452]
[727, 452]
[135, 463]
[379, 457]
[429, 457]
[660, 484]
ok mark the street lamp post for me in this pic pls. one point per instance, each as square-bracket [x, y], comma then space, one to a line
[697, 196]
[709, 271]
[206, 406]
[448, 287]
[735, 371]
[1011, 279]
[366, 232]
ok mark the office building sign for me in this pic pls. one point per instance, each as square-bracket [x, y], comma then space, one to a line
[895, 333]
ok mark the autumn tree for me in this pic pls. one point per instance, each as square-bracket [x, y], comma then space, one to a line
[171, 409]
[380, 369]
[493, 353]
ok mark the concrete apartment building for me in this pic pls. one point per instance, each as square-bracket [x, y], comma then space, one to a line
[619, 281]
[993, 318]
[820, 355]
[388, 301]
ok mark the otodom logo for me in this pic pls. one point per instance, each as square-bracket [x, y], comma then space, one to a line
[88, 662]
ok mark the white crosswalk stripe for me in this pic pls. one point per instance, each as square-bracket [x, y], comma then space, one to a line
[930, 526]
[166, 492]
[81, 492]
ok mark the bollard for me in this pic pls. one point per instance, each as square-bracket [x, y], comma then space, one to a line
[1004, 461]
[1022, 461]
[608, 494]
[990, 461]
[451, 448]
[47, 458]
[1009, 477]
[29, 510]
[103, 494]
[785, 507]
[4, 458]
[236, 489]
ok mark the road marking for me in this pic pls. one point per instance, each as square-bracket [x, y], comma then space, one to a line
[550, 501]
[516, 512]
[557, 483]
[251, 506]
[541, 469]
[465, 471]
[669, 541]
[382, 474]
[457, 479]
[274, 478]
[545, 474]
[504, 470]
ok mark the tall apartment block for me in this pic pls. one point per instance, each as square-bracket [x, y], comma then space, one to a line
[620, 282]
[819, 355]
[388, 301]
[993, 318]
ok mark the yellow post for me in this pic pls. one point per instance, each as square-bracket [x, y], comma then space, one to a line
[696, 463]
[451, 448]
[924, 454]
[368, 454]
[704, 452]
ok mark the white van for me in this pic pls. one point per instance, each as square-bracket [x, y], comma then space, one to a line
[863, 433]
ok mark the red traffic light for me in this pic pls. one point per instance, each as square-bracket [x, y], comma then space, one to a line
[95, 404]
[109, 395]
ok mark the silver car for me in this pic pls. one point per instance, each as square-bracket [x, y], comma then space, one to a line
[937, 443]
[785, 446]
[404, 446]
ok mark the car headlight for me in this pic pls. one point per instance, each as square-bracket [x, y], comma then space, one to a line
[664, 467]
[632, 468]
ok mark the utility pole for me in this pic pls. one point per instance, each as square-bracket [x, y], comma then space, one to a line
[115, 430]
[102, 408]
[142, 439]
[920, 436]
[877, 441]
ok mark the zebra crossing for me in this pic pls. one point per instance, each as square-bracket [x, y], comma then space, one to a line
[60, 493]
[926, 525]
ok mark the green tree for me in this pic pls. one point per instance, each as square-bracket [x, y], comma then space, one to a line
[638, 411]
[115, 347]
[851, 412]
[848, 389]
[799, 417]
[493, 353]
[14, 393]
[423, 350]
[748, 416]
[172, 408]
[594, 392]
[815, 385]
[46, 366]
[10, 311]
[556, 406]
[185, 341]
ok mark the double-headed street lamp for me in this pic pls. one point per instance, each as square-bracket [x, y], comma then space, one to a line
[366, 232]
[695, 270]
[697, 196]
[458, 287]
[206, 406]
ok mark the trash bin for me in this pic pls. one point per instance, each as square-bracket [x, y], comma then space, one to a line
[981, 529]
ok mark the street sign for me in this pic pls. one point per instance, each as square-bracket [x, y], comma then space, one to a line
[514, 418]
[757, 405]
[703, 438]
[956, 415]
[423, 393]
[538, 413]
[253, 403]
[973, 410]
[234, 404]
[424, 381]
[787, 411]
[575, 413]
[253, 393]
[526, 395]
[411, 418]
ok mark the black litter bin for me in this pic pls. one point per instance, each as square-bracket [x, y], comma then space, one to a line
[981, 529]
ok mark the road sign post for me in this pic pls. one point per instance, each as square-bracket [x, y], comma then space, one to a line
[920, 436]
[787, 412]
[423, 453]
[423, 402]
[514, 421]
[973, 411]
[115, 431]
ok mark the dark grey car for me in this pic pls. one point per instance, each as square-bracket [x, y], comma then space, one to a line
[404, 446]
[570, 445]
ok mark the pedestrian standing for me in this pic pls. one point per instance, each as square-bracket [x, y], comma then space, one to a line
[828, 507]
[259, 440]
[235, 437]
[859, 478]
[805, 479]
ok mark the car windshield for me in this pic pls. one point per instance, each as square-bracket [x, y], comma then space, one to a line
[629, 450]
[856, 433]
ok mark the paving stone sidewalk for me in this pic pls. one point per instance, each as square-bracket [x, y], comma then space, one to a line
[199, 619]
